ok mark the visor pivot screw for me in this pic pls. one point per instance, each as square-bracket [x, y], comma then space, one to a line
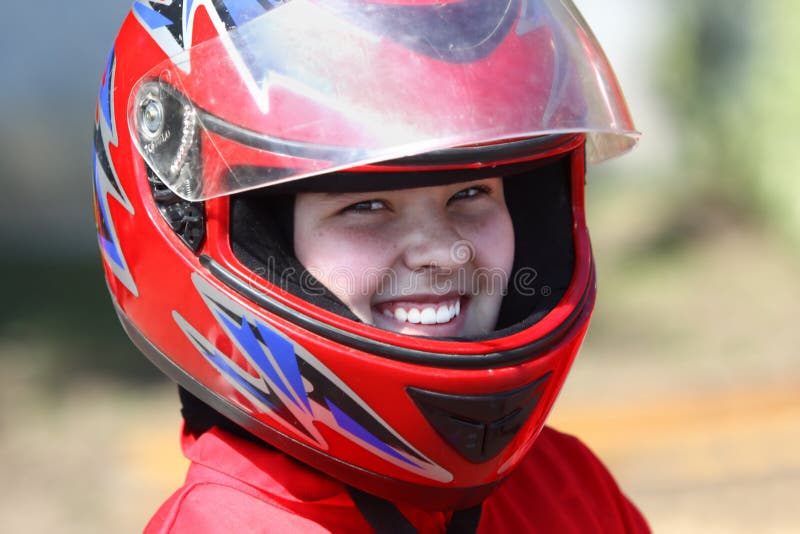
[152, 118]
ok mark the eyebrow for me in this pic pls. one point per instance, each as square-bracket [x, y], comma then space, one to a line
[380, 191]
[349, 195]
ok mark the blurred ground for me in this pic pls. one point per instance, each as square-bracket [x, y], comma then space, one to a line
[689, 382]
[688, 387]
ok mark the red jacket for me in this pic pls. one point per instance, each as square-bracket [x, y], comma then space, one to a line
[234, 485]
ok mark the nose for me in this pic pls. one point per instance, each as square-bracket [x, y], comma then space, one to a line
[435, 243]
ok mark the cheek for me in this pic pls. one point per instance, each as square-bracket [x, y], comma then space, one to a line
[494, 258]
[494, 244]
[346, 262]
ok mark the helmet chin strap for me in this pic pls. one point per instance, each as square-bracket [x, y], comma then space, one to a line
[385, 518]
[199, 417]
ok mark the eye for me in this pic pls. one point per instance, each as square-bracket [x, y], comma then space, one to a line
[365, 206]
[470, 192]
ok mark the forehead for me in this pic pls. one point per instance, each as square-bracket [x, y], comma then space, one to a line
[374, 182]
[410, 194]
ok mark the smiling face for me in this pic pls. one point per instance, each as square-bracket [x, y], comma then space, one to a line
[430, 261]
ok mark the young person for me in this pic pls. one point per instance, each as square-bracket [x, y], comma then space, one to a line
[353, 232]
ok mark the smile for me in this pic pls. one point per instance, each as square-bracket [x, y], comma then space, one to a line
[423, 313]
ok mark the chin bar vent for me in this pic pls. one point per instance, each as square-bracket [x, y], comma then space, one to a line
[479, 426]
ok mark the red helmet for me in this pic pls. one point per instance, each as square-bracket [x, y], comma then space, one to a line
[209, 108]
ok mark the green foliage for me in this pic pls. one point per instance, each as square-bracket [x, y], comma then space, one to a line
[708, 52]
[728, 73]
[774, 95]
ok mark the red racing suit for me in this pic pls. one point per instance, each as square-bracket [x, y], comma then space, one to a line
[235, 485]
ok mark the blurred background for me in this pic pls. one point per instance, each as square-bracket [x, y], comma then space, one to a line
[689, 382]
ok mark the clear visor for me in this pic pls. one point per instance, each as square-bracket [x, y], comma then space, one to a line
[313, 87]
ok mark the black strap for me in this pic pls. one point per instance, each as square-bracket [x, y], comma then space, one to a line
[385, 518]
[465, 521]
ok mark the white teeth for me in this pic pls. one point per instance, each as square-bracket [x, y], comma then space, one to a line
[426, 315]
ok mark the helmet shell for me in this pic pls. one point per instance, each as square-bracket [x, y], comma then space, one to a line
[434, 422]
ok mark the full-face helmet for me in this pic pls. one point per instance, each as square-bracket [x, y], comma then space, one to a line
[212, 114]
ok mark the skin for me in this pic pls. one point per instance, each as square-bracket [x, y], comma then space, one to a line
[433, 249]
